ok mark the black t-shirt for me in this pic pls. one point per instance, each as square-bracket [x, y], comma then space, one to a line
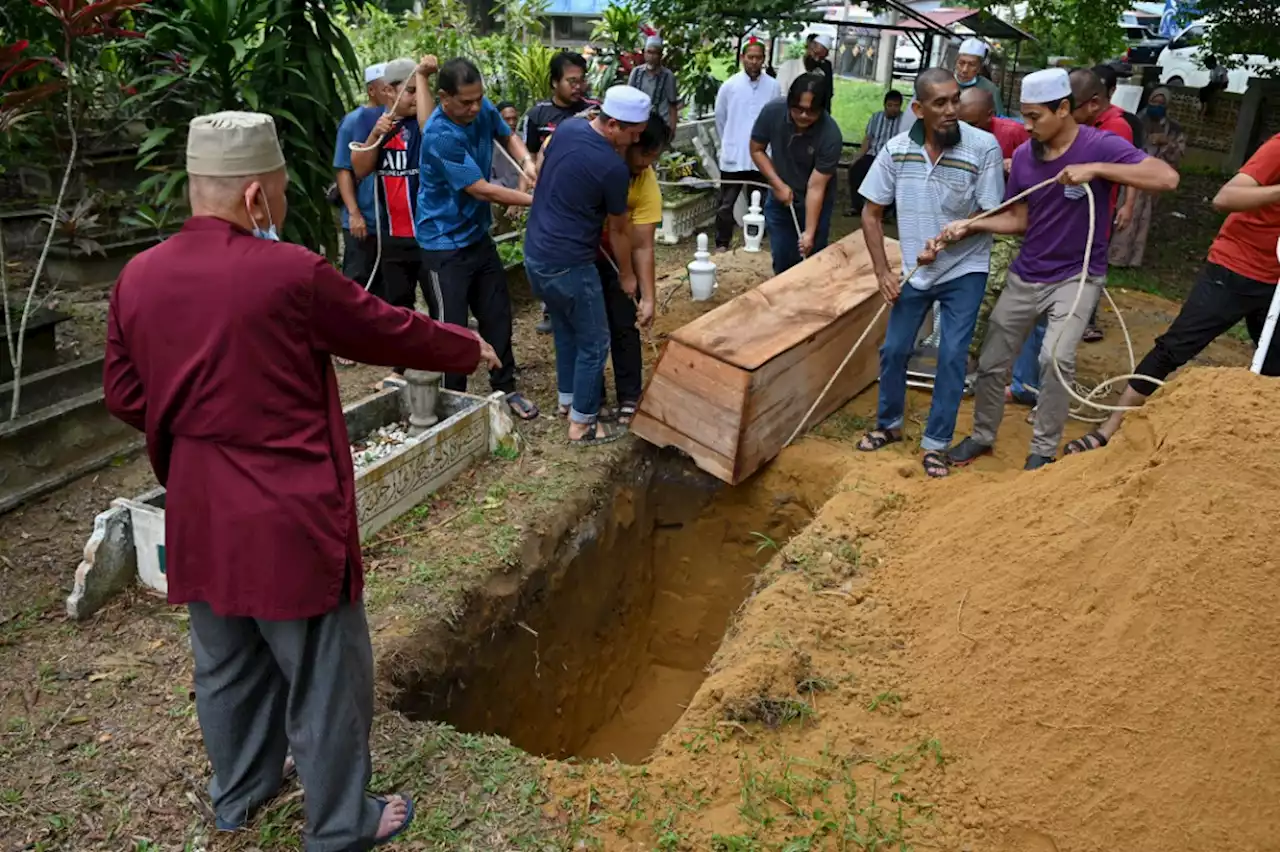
[796, 155]
[543, 118]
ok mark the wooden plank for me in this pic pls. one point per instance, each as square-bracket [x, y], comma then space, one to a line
[782, 390]
[695, 396]
[786, 310]
[661, 435]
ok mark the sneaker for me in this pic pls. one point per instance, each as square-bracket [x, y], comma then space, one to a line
[1035, 462]
[544, 325]
[967, 452]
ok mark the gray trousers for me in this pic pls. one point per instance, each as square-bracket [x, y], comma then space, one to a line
[1012, 319]
[265, 686]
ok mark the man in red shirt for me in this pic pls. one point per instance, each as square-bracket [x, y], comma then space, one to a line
[1236, 284]
[218, 347]
[978, 108]
[1093, 108]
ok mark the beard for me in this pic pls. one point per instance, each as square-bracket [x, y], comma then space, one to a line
[1037, 149]
[947, 137]
[810, 64]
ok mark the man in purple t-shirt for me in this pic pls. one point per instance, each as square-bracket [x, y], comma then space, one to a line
[1045, 275]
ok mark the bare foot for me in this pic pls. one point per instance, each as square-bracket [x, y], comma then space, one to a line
[393, 817]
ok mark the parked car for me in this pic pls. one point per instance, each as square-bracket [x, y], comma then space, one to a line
[1145, 51]
[906, 59]
[1182, 62]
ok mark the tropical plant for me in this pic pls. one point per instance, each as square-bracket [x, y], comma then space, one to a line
[522, 19]
[76, 21]
[290, 60]
[79, 227]
[618, 34]
[531, 70]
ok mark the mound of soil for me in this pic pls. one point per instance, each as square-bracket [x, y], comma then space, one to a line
[1100, 640]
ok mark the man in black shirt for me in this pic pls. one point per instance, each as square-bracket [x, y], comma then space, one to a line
[568, 83]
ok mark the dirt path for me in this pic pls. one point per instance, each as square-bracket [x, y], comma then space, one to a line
[101, 748]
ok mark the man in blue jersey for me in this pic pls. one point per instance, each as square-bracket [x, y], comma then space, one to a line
[356, 195]
[453, 216]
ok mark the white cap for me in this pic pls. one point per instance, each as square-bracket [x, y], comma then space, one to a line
[824, 40]
[652, 41]
[973, 47]
[625, 104]
[1045, 87]
[397, 71]
[374, 72]
[233, 144]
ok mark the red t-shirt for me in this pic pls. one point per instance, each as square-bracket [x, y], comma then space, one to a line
[1246, 242]
[1112, 120]
[1009, 133]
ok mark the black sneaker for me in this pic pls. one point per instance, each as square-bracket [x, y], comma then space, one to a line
[967, 452]
[1035, 462]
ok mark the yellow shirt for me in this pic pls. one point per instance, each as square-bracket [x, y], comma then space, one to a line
[644, 199]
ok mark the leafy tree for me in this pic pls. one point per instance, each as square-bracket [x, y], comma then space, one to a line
[1243, 27]
[288, 58]
[1088, 31]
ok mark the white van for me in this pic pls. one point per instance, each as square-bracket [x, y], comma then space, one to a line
[1181, 63]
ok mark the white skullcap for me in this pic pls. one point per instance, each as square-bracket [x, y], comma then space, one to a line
[973, 47]
[824, 40]
[374, 72]
[1046, 87]
[233, 144]
[397, 71]
[652, 41]
[625, 104]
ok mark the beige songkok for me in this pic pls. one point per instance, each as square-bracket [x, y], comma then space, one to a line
[233, 144]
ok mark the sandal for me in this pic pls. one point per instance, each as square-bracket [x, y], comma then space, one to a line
[408, 819]
[604, 433]
[626, 412]
[935, 465]
[521, 406]
[1095, 440]
[1092, 334]
[878, 439]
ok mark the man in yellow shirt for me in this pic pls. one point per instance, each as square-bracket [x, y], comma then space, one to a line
[626, 318]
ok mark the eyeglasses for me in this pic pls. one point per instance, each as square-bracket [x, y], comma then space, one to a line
[809, 110]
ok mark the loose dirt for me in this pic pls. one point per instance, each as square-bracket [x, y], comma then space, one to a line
[1000, 661]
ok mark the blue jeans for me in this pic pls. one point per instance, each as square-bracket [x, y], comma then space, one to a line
[1026, 370]
[784, 242]
[580, 328]
[958, 302]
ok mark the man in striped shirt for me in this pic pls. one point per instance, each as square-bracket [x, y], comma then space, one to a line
[940, 167]
[883, 126]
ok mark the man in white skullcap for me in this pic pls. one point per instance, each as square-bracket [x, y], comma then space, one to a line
[973, 55]
[218, 347]
[1044, 277]
[584, 176]
[658, 82]
[815, 61]
[356, 196]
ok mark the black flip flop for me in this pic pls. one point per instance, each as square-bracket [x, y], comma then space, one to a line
[935, 465]
[1094, 440]
[612, 432]
[521, 406]
[878, 439]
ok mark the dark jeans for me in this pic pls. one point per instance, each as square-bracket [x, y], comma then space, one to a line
[624, 337]
[857, 174]
[958, 301]
[784, 242]
[472, 278]
[729, 192]
[574, 297]
[1219, 300]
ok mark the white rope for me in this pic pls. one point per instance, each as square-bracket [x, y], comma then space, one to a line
[695, 181]
[1086, 401]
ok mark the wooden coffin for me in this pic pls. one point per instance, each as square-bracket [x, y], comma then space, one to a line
[730, 387]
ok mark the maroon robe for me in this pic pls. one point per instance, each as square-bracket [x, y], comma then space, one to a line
[218, 347]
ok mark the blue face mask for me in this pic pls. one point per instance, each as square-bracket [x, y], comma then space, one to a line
[965, 85]
[1156, 111]
[270, 232]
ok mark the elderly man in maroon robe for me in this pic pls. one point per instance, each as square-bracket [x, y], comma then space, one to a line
[218, 347]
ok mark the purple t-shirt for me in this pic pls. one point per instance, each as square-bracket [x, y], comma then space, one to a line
[1057, 216]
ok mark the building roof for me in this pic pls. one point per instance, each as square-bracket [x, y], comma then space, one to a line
[980, 22]
[592, 8]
